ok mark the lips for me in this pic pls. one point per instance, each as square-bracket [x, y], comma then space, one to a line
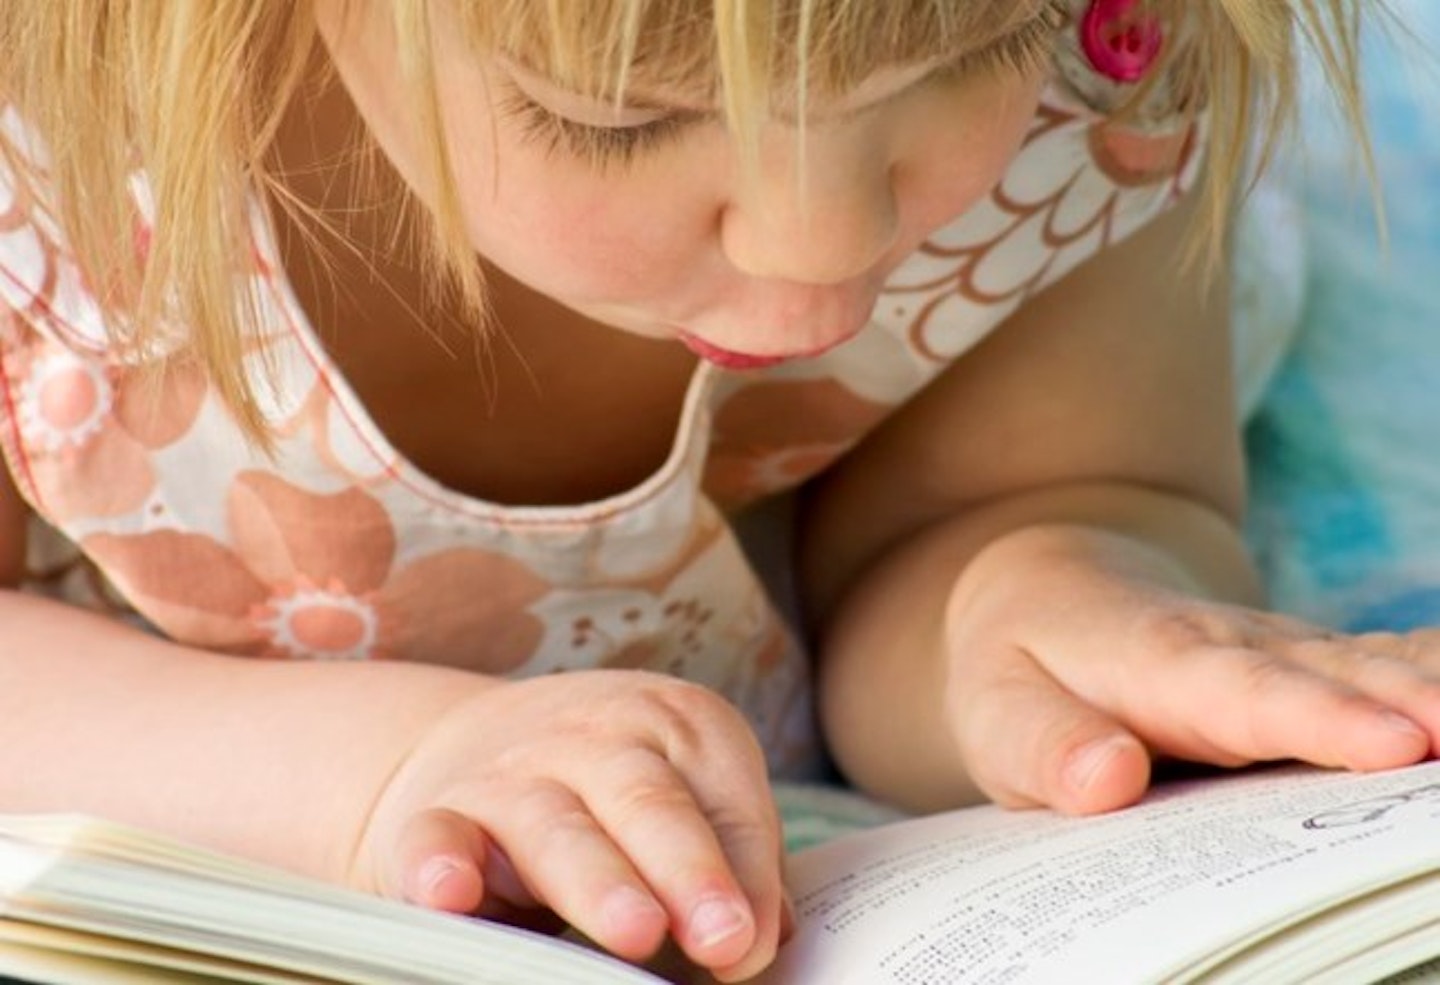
[813, 319]
[725, 358]
[729, 359]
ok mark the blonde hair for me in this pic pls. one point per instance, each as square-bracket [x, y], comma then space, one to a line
[193, 93]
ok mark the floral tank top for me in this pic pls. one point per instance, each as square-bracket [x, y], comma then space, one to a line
[148, 501]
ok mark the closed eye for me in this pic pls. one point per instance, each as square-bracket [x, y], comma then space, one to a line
[1022, 50]
[601, 146]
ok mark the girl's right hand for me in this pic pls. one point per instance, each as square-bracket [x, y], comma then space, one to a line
[1078, 655]
[632, 805]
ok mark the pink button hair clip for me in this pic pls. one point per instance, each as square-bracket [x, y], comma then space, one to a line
[1118, 44]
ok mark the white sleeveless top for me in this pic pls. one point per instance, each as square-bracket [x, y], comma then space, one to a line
[151, 503]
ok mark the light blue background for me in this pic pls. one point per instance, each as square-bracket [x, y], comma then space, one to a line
[1345, 448]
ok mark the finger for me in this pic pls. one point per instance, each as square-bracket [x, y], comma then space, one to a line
[709, 848]
[1029, 741]
[1253, 705]
[734, 794]
[1401, 671]
[438, 860]
[571, 864]
[507, 897]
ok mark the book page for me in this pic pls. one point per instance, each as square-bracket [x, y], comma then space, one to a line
[63, 957]
[1154, 892]
[45, 967]
[1379, 934]
[125, 894]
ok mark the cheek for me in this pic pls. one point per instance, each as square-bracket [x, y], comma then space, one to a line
[956, 165]
[552, 221]
[569, 230]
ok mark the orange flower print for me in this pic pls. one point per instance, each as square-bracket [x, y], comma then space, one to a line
[632, 629]
[665, 619]
[64, 402]
[316, 576]
[329, 622]
[1134, 159]
[774, 435]
[676, 625]
[87, 429]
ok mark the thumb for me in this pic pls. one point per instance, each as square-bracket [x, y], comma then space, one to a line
[1027, 740]
[438, 860]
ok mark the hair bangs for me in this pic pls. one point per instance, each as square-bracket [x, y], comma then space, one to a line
[759, 53]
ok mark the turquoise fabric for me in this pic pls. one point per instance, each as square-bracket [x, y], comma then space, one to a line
[1345, 512]
[811, 814]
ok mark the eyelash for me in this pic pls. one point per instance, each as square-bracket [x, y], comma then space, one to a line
[599, 146]
[604, 147]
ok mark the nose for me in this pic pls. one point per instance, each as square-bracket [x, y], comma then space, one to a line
[818, 212]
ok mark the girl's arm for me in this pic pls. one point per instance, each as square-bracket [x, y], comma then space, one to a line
[633, 805]
[276, 761]
[1032, 578]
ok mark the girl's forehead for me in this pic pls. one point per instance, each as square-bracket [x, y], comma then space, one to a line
[687, 45]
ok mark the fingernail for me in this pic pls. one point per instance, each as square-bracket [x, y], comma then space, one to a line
[1090, 761]
[1400, 723]
[626, 905]
[716, 920]
[433, 875]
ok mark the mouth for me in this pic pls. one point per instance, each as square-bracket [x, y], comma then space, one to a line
[729, 359]
[725, 358]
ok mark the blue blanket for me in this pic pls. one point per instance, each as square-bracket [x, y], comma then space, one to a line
[1345, 512]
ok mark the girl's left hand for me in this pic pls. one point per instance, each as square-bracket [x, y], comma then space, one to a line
[1072, 661]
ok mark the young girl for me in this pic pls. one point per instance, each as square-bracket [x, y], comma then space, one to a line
[429, 348]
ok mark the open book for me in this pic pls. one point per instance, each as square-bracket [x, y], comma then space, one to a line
[1272, 876]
